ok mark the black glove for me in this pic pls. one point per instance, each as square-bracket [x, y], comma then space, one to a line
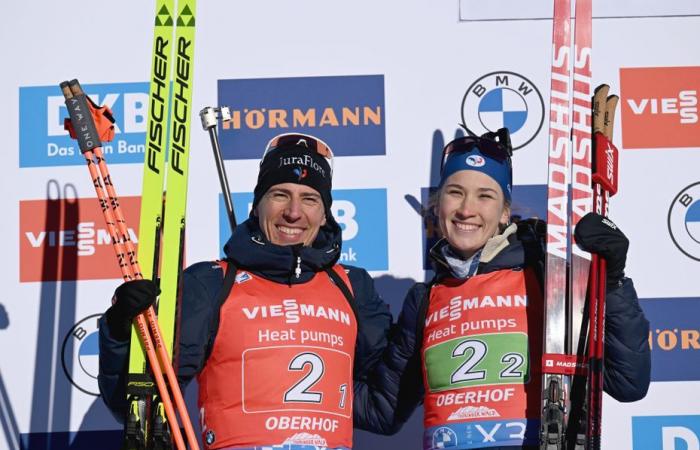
[130, 299]
[598, 234]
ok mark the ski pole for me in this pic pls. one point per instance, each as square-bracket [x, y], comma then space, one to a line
[89, 141]
[209, 116]
[605, 185]
[594, 362]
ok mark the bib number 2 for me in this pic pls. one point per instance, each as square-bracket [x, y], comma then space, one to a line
[300, 391]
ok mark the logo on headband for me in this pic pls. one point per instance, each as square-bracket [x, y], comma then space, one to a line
[303, 160]
[475, 161]
[300, 173]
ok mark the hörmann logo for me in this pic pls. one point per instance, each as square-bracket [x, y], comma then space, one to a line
[345, 111]
[504, 99]
[674, 338]
[660, 107]
[49, 242]
[43, 141]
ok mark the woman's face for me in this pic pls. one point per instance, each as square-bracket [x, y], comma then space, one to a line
[470, 207]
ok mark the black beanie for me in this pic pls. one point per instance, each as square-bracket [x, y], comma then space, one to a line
[294, 163]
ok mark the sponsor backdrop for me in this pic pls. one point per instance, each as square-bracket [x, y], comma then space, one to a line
[386, 84]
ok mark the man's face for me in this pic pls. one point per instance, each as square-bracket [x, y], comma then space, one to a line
[291, 213]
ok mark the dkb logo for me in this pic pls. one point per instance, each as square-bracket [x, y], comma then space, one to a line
[666, 433]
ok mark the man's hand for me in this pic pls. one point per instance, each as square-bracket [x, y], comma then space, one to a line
[130, 299]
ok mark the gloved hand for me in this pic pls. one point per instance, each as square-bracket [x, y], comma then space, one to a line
[598, 234]
[130, 299]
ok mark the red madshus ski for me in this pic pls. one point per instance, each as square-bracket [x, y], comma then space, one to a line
[554, 383]
[567, 266]
[581, 204]
[582, 149]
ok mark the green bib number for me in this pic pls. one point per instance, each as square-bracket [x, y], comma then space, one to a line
[485, 359]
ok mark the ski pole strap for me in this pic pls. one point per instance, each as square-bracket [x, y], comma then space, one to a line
[343, 288]
[88, 123]
[226, 286]
[605, 161]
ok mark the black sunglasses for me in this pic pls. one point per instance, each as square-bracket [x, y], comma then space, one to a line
[495, 145]
[298, 139]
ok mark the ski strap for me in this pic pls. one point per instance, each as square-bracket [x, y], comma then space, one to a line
[227, 285]
[344, 289]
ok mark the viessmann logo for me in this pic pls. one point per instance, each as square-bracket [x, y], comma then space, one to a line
[67, 240]
[660, 107]
[43, 141]
[345, 111]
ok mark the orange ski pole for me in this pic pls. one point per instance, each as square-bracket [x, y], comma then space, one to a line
[86, 132]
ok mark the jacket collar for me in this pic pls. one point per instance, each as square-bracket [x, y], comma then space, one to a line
[501, 251]
[249, 249]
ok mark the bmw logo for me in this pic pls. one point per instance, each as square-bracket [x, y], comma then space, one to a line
[504, 99]
[80, 355]
[444, 437]
[684, 221]
[210, 437]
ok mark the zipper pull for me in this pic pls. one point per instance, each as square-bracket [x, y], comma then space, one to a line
[297, 269]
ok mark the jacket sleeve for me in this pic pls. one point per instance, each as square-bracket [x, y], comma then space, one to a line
[113, 365]
[627, 368]
[388, 393]
[200, 294]
[374, 321]
[201, 285]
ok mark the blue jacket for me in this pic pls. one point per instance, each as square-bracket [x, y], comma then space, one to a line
[395, 388]
[248, 249]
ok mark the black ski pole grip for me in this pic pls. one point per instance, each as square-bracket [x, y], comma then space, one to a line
[80, 116]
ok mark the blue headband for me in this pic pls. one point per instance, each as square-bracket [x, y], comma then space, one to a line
[500, 171]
